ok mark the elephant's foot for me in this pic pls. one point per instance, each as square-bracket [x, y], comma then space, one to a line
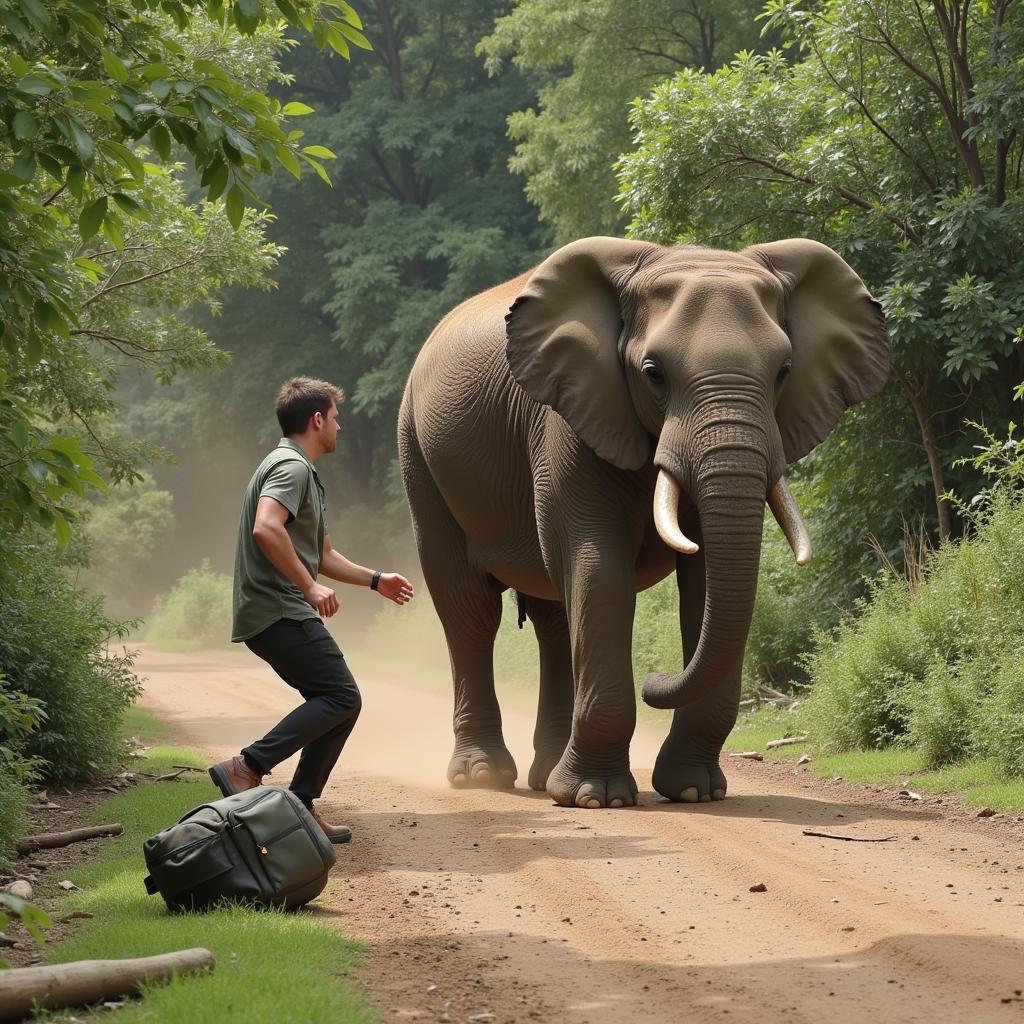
[482, 765]
[689, 781]
[574, 784]
[544, 762]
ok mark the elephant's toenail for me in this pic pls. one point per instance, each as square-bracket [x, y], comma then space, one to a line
[718, 794]
[615, 803]
[705, 799]
[458, 780]
[483, 774]
[591, 801]
[689, 795]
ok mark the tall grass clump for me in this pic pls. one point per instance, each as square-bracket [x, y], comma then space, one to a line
[195, 614]
[932, 658]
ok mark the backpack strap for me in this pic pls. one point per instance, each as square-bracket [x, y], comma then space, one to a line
[151, 887]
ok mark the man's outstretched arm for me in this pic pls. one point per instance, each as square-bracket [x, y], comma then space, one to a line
[272, 537]
[390, 584]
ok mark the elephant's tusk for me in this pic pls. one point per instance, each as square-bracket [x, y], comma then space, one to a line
[666, 515]
[787, 515]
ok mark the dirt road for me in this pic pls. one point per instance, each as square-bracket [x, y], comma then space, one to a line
[502, 907]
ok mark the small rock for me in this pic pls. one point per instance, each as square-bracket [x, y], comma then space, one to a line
[431, 988]
[908, 794]
[804, 759]
[6, 942]
[20, 888]
[760, 887]
[849, 928]
[481, 1018]
[67, 885]
[986, 812]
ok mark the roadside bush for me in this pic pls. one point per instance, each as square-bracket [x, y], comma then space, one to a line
[55, 648]
[934, 665]
[195, 614]
[19, 716]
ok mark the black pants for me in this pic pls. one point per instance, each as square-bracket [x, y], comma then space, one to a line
[306, 657]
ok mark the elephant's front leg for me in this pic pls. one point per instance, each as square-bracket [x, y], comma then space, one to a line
[594, 770]
[687, 767]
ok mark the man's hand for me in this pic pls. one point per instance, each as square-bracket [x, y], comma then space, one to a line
[395, 588]
[322, 598]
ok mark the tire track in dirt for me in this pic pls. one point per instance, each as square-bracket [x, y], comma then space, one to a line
[500, 903]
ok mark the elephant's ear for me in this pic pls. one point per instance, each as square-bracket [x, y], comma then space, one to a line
[840, 345]
[563, 331]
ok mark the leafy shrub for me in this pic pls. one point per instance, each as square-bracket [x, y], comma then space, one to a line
[54, 648]
[934, 665]
[195, 614]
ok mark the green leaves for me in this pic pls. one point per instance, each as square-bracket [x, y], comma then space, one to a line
[90, 220]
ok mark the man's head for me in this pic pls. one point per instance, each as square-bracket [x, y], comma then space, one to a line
[307, 410]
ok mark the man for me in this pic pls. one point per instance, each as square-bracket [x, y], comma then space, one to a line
[279, 606]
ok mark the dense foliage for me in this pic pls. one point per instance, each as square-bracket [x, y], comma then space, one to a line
[590, 59]
[933, 657]
[82, 87]
[58, 648]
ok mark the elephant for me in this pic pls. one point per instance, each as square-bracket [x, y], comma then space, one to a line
[621, 410]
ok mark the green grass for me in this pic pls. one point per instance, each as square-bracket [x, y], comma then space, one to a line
[978, 783]
[271, 966]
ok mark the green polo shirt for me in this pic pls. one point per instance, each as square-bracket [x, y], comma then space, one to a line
[262, 595]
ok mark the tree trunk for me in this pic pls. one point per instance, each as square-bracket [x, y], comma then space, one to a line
[931, 449]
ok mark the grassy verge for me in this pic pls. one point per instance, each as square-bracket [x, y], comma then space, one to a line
[271, 966]
[978, 783]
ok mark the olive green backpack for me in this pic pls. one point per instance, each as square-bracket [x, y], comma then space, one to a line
[260, 847]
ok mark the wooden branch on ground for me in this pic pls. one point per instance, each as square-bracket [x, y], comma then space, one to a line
[88, 981]
[51, 840]
[850, 839]
[749, 755]
[788, 741]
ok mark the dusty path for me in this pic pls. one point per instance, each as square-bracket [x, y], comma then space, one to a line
[501, 903]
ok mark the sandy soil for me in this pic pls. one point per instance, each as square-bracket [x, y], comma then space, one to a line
[482, 906]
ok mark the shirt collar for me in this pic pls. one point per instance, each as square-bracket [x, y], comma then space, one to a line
[287, 442]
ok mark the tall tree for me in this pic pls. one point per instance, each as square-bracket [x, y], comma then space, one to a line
[591, 58]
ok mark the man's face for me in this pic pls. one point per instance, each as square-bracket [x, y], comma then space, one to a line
[330, 429]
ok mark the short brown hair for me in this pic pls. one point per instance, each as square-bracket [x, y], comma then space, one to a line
[301, 397]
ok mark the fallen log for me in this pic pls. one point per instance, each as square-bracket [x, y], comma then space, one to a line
[788, 741]
[750, 755]
[52, 840]
[88, 981]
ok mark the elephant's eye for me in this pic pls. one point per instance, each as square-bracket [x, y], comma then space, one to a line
[783, 373]
[654, 377]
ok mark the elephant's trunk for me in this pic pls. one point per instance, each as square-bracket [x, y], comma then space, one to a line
[729, 487]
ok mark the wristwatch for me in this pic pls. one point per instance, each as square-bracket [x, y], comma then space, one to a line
[376, 579]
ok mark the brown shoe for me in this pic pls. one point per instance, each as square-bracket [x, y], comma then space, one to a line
[337, 834]
[234, 776]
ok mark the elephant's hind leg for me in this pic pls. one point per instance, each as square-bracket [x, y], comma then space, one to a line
[468, 603]
[554, 705]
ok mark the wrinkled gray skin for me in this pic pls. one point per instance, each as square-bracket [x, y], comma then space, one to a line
[535, 423]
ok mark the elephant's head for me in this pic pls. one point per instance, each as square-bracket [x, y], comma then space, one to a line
[721, 366]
